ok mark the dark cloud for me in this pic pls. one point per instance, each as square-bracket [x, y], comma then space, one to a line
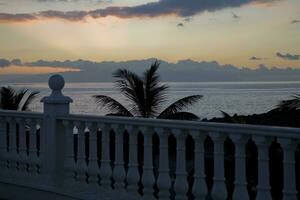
[4, 63]
[96, 1]
[181, 8]
[71, 15]
[288, 56]
[296, 21]
[17, 62]
[256, 58]
[180, 25]
[5, 17]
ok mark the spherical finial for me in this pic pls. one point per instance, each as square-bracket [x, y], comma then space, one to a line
[56, 82]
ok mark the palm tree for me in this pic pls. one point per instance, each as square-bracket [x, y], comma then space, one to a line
[145, 96]
[11, 99]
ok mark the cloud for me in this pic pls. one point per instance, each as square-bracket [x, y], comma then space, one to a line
[288, 56]
[5, 17]
[235, 16]
[296, 21]
[180, 8]
[180, 25]
[256, 58]
[96, 1]
[4, 63]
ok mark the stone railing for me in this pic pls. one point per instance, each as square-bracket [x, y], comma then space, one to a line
[58, 155]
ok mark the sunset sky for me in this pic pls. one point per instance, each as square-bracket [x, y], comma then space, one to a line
[244, 33]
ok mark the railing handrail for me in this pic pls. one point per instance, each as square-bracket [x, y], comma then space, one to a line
[247, 129]
[13, 113]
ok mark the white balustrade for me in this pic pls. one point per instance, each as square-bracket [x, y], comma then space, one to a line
[12, 146]
[133, 175]
[148, 176]
[23, 158]
[163, 181]
[69, 163]
[32, 146]
[199, 187]
[81, 156]
[289, 182]
[119, 171]
[219, 190]
[263, 186]
[93, 167]
[105, 168]
[240, 184]
[181, 184]
[50, 160]
[3, 146]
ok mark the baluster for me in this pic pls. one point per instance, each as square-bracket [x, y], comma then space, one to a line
[81, 161]
[263, 186]
[289, 181]
[119, 171]
[93, 167]
[219, 188]
[69, 164]
[199, 187]
[180, 185]
[39, 140]
[33, 159]
[163, 181]
[13, 156]
[240, 184]
[133, 173]
[148, 176]
[105, 168]
[3, 146]
[22, 146]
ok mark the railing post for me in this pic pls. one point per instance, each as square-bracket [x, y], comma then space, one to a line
[219, 190]
[263, 185]
[53, 138]
[240, 183]
[3, 151]
[289, 174]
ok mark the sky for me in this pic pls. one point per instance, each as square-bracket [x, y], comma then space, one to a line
[244, 33]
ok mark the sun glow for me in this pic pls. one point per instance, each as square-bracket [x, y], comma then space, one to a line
[34, 70]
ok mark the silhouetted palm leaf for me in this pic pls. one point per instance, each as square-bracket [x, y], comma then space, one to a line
[155, 92]
[181, 116]
[145, 96]
[227, 117]
[180, 105]
[113, 105]
[132, 86]
[7, 95]
[292, 104]
[28, 101]
[12, 99]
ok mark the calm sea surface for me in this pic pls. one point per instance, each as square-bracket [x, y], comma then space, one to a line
[231, 97]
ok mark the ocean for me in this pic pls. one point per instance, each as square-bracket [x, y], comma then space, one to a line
[232, 97]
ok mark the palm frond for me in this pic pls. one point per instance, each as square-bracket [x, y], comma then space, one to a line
[291, 104]
[181, 116]
[132, 87]
[227, 117]
[19, 95]
[29, 99]
[7, 96]
[154, 92]
[179, 105]
[112, 104]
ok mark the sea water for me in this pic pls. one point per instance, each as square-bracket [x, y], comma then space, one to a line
[232, 97]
